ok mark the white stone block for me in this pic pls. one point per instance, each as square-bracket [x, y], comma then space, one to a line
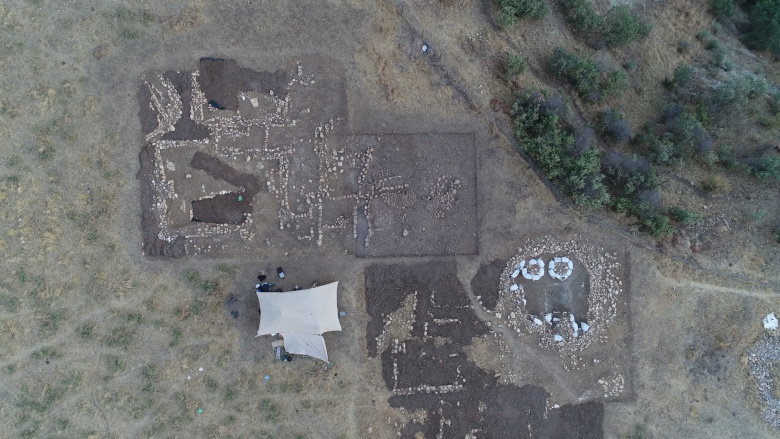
[770, 322]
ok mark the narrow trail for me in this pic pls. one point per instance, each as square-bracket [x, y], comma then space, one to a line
[718, 289]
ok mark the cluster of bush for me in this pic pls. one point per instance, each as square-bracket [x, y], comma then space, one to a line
[676, 140]
[509, 11]
[634, 190]
[544, 134]
[627, 184]
[763, 32]
[618, 27]
[583, 74]
[680, 136]
[513, 66]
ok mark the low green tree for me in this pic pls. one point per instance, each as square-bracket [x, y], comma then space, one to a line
[764, 33]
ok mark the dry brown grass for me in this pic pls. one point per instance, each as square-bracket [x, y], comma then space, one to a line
[96, 341]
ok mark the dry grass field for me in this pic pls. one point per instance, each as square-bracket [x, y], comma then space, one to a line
[101, 338]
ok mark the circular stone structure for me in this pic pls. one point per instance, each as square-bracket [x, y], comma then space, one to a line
[579, 297]
[560, 267]
[534, 270]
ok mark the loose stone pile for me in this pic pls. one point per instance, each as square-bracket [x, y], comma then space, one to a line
[612, 386]
[561, 329]
[763, 360]
[443, 195]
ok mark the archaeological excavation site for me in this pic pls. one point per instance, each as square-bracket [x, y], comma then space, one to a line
[384, 219]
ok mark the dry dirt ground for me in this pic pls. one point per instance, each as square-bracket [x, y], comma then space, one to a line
[124, 318]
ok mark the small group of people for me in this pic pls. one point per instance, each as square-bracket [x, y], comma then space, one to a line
[265, 287]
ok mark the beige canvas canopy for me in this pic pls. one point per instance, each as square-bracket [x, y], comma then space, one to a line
[301, 317]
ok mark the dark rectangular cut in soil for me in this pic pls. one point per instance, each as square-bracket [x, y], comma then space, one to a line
[224, 208]
[222, 79]
[426, 223]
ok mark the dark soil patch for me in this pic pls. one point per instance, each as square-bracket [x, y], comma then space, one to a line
[388, 285]
[510, 411]
[485, 283]
[229, 208]
[221, 209]
[185, 128]
[146, 115]
[222, 79]
[424, 362]
[150, 226]
[428, 374]
[706, 361]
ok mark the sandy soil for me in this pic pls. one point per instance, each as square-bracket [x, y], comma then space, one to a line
[101, 340]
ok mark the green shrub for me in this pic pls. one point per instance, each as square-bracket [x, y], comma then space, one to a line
[719, 60]
[683, 46]
[716, 28]
[702, 112]
[618, 27]
[582, 18]
[682, 75]
[594, 194]
[614, 83]
[513, 66]
[621, 27]
[722, 8]
[688, 134]
[550, 143]
[660, 151]
[764, 33]
[702, 34]
[774, 103]
[715, 184]
[734, 93]
[765, 167]
[584, 76]
[772, 121]
[684, 216]
[613, 126]
[726, 157]
[712, 44]
[509, 11]
[777, 235]
[648, 218]
[581, 74]
[658, 225]
[628, 175]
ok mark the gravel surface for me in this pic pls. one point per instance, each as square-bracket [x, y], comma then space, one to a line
[765, 354]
